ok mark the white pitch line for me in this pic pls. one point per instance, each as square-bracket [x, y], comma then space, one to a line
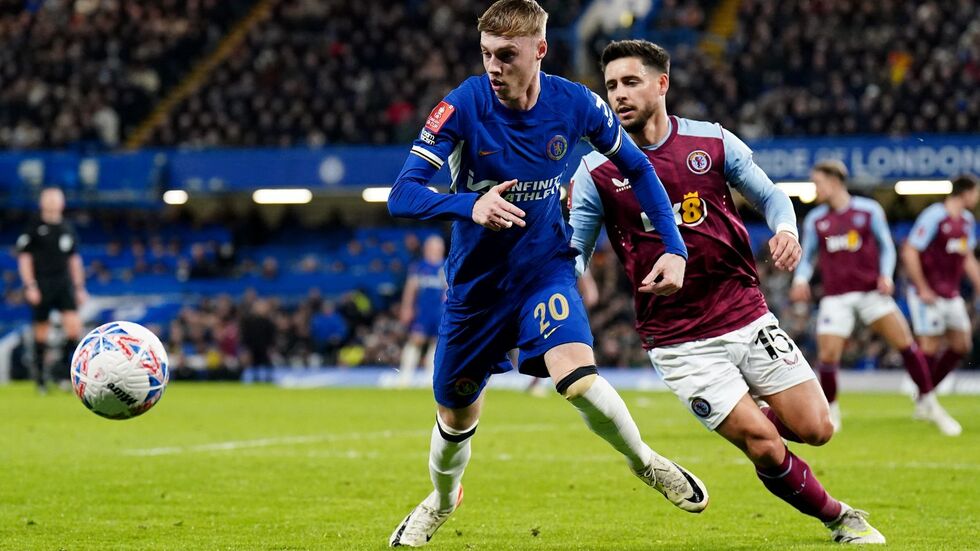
[232, 445]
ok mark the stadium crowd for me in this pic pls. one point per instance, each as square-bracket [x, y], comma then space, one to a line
[316, 73]
[84, 74]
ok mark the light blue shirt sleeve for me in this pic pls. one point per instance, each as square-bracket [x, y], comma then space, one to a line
[926, 226]
[804, 271]
[879, 226]
[753, 183]
[971, 230]
[585, 217]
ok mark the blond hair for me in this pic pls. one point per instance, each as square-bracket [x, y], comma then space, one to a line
[513, 18]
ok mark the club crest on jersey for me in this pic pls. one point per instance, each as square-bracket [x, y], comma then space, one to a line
[698, 161]
[859, 220]
[823, 225]
[557, 147]
[439, 116]
[701, 407]
[946, 228]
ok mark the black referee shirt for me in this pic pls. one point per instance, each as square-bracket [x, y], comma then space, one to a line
[50, 245]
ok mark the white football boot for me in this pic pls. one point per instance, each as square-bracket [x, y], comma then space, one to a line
[419, 526]
[679, 486]
[852, 527]
[835, 416]
[927, 408]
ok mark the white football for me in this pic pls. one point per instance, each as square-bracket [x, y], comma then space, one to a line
[120, 370]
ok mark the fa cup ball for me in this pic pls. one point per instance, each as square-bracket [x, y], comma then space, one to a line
[120, 370]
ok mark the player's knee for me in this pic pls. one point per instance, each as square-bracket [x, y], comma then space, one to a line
[578, 382]
[452, 421]
[764, 449]
[817, 433]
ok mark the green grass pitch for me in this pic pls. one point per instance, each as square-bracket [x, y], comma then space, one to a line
[262, 468]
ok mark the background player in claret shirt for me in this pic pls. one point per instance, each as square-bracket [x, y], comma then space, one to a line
[53, 276]
[423, 301]
[714, 343]
[938, 252]
[849, 238]
[511, 271]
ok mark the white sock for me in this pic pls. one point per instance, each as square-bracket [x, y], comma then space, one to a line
[410, 361]
[605, 413]
[447, 461]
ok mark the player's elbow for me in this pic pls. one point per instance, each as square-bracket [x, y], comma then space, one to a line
[396, 205]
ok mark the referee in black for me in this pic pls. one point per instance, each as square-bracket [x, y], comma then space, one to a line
[54, 279]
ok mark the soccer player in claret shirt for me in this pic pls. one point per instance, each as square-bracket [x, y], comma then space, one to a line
[511, 271]
[715, 343]
[849, 238]
[938, 252]
[423, 300]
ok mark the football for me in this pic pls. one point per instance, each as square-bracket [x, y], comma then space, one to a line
[119, 370]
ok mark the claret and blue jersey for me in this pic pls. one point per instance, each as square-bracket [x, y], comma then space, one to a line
[493, 276]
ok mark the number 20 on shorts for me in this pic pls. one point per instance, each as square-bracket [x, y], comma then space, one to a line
[554, 309]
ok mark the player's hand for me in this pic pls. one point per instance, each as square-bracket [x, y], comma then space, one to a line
[786, 251]
[885, 285]
[33, 295]
[666, 277]
[81, 296]
[496, 213]
[799, 292]
[927, 295]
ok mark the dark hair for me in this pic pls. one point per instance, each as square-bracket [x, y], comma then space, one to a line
[963, 184]
[834, 168]
[649, 53]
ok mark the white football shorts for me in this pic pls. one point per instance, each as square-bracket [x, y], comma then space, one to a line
[933, 320]
[838, 313]
[711, 375]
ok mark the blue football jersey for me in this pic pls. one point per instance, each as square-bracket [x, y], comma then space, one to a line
[432, 285]
[487, 143]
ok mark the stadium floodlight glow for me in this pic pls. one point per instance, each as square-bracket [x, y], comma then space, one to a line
[285, 196]
[806, 192]
[376, 194]
[175, 197]
[380, 194]
[923, 187]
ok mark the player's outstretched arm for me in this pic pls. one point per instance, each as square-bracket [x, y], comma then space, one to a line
[410, 196]
[752, 182]
[608, 137]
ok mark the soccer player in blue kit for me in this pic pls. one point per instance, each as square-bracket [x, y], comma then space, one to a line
[421, 309]
[510, 270]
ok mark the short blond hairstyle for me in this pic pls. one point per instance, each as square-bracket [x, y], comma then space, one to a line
[513, 18]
